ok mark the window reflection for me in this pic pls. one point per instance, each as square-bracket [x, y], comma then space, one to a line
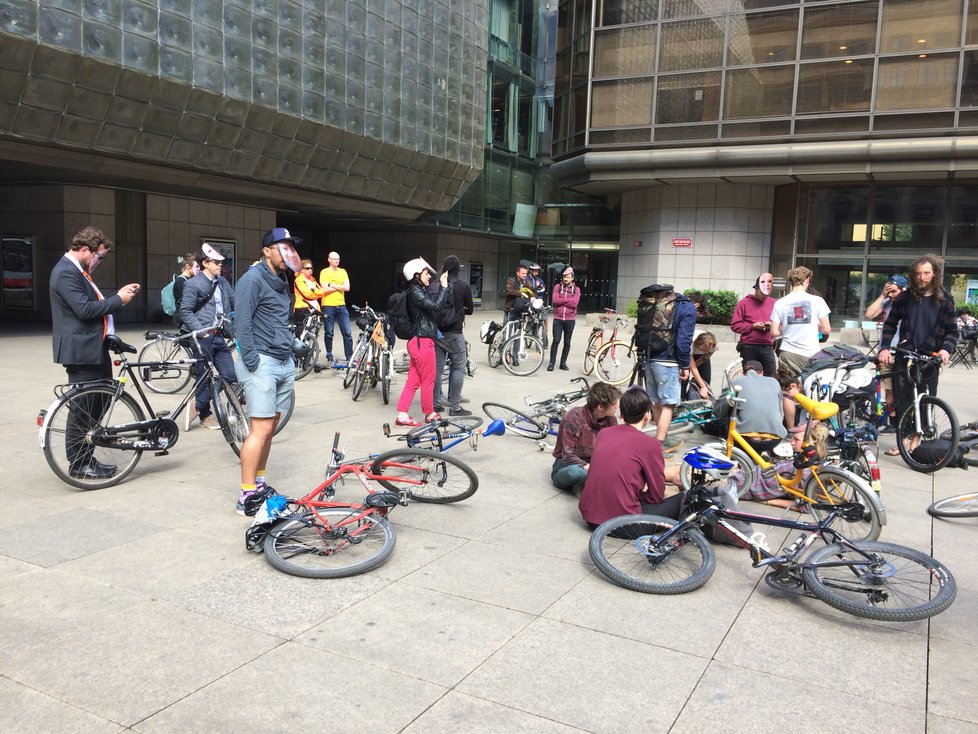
[688, 98]
[836, 86]
[624, 52]
[916, 82]
[903, 30]
[693, 44]
[622, 103]
[762, 38]
[839, 30]
[759, 92]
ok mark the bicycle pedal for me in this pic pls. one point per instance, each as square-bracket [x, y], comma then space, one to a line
[162, 453]
[162, 413]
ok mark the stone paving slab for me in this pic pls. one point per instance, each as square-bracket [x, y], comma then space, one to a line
[139, 606]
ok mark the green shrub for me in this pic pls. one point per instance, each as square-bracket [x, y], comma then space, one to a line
[720, 303]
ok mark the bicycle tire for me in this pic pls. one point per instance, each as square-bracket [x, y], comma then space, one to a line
[82, 402]
[385, 376]
[942, 425]
[171, 379]
[623, 549]
[495, 355]
[530, 353]
[231, 415]
[744, 463]
[519, 423]
[909, 584]
[960, 505]
[425, 476]
[590, 351]
[305, 365]
[359, 379]
[615, 362]
[297, 545]
[359, 351]
[839, 485]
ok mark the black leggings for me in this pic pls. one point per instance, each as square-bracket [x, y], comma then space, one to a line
[565, 329]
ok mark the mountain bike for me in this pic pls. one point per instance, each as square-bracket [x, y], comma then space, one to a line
[927, 432]
[308, 334]
[872, 580]
[540, 418]
[371, 363]
[317, 537]
[825, 485]
[443, 434]
[100, 424]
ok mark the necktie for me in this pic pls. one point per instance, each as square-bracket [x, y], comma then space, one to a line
[105, 319]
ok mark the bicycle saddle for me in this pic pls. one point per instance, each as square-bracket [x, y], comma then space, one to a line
[115, 344]
[818, 411]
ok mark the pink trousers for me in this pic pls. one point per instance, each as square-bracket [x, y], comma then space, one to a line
[420, 374]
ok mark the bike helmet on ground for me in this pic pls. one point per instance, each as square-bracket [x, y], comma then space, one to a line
[416, 266]
[714, 463]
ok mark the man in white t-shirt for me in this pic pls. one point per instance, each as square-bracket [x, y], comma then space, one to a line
[798, 319]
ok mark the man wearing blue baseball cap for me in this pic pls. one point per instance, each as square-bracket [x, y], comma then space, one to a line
[266, 369]
[878, 310]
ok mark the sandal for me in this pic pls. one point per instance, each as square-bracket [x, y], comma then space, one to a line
[408, 422]
[433, 418]
[892, 452]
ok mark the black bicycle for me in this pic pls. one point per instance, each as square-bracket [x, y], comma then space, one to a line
[874, 580]
[94, 433]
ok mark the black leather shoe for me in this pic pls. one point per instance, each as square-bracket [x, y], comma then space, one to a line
[92, 470]
[564, 367]
[550, 368]
[105, 467]
[459, 411]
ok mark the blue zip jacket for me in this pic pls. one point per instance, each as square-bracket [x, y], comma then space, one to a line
[261, 316]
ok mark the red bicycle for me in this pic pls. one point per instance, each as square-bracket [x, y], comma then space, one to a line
[317, 537]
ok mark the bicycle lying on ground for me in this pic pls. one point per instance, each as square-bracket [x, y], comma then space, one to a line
[872, 580]
[541, 417]
[443, 434]
[317, 537]
[94, 433]
[961, 505]
[825, 485]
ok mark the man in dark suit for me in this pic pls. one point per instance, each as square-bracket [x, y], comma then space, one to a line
[81, 317]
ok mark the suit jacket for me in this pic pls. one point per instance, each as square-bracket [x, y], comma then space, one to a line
[77, 316]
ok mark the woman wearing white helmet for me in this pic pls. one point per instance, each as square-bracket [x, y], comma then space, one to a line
[423, 310]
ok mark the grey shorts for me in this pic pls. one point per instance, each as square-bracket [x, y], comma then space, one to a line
[268, 389]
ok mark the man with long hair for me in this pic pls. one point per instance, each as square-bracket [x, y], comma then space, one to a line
[927, 319]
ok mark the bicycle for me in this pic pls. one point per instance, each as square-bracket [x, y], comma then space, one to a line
[443, 434]
[373, 362]
[614, 360]
[541, 418]
[99, 421]
[166, 348]
[927, 432]
[402, 363]
[872, 580]
[308, 334]
[825, 485]
[960, 505]
[317, 537]
[515, 346]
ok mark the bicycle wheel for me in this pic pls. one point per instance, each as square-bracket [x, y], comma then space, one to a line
[172, 378]
[961, 505]
[359, 352]
[231, 415]
[593, 344]
[899, 585]
[938, 438]
[354, 543]
[495, 356]
[425, 476]
[627, 551]
[305, 365]
[385, 375]
[72, 420]
[831, 485]
[744, 471]
[519, 423]
[522, 355]
[615, 362]
[359, 378]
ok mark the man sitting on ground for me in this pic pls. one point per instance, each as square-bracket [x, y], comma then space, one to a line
[578, 430]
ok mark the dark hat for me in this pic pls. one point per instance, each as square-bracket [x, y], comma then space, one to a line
[753, 364]
[451, 264]
[279, 234]
[898, 279]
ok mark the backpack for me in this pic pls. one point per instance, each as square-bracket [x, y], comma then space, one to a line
[488, 331]
[400, 318]
[654, 332]
[169, 298]
[449, 317]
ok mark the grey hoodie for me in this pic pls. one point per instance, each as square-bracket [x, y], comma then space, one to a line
[261, 316]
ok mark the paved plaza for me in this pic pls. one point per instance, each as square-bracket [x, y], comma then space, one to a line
[138, 607]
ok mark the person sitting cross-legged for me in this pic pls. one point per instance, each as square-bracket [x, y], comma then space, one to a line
[575, 439]
[628, 475]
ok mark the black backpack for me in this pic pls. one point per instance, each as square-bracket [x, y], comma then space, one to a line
[400, 318]
[449, 317]
[654, 332]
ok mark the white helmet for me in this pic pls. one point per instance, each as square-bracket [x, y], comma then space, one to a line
[415, 266]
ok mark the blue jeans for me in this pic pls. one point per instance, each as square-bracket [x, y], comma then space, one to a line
[453, 347]
[342, 316]
[218, 350]
[567, 476]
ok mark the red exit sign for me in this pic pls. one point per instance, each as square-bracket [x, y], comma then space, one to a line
[682, 242]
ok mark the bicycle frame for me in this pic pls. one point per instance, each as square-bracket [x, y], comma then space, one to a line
[442, 431]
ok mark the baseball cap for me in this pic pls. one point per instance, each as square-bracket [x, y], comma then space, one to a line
[898, 279]
[753, 364]
[279, 234]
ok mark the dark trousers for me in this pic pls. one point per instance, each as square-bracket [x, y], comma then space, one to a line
[218, 350]
[85, 414]
[669, 507]
[562, 329]
[903, 387]
[763, 353]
